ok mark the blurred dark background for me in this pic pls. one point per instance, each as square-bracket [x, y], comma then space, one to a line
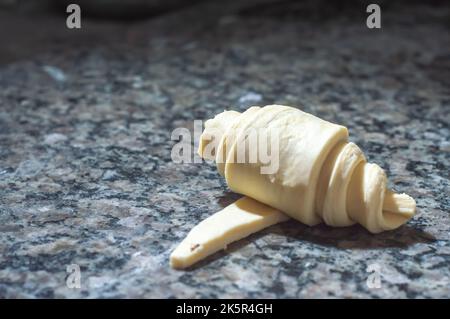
[28, 27]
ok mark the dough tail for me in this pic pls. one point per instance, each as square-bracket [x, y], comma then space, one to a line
[234, 222]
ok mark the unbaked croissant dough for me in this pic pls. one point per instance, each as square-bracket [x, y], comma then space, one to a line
[322, 177]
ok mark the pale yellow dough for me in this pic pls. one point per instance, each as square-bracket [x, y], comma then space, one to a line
[322, 177]
[232, 223]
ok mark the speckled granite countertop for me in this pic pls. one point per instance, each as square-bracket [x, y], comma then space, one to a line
[86, 175]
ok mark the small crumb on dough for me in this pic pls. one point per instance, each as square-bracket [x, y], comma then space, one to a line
[194, 246]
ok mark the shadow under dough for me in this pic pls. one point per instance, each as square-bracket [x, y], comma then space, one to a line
[352, 237]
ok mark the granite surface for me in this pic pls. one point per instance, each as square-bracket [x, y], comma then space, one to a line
[86, 175]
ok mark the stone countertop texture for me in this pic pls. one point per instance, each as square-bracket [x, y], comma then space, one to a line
[86, 175]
